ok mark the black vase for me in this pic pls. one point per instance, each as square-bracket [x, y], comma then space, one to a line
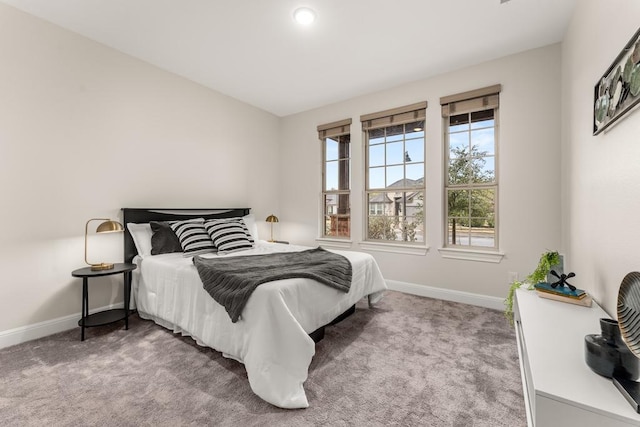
[608, 355]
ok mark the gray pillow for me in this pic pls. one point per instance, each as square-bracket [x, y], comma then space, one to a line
[163, 239]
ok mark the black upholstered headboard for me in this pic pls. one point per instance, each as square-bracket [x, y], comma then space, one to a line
[143, 215]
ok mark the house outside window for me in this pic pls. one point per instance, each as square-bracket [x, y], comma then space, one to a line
[395, 170]
[471, 175]
[336, 179]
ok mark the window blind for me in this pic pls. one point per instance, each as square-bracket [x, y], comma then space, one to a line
[395, 116]
[474, 100]
[334, 129]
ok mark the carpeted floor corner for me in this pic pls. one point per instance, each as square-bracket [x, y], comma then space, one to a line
[410, 361]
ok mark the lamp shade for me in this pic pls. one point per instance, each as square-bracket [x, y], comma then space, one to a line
[272, 218]
[107, 226]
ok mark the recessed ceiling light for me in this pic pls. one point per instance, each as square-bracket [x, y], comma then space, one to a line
[304, 15]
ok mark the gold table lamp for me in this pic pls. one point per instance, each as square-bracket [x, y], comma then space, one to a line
[271, 219]
[108, 226]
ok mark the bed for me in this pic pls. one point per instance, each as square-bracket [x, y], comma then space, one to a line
[275, 337]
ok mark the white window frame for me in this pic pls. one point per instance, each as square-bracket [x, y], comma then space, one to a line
[331, 131]
[386, 120]
[467, 103]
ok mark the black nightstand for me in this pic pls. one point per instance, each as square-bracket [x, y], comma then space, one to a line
[107, 316]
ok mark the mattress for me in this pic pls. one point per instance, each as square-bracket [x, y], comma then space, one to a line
[272, 338]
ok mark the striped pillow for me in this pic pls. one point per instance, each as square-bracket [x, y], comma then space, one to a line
[193, 236]
[229, 235]
[238, 220]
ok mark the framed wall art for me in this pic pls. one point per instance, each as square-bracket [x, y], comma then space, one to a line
[618, 90]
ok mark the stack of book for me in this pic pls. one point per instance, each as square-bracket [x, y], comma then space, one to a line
[564, 294]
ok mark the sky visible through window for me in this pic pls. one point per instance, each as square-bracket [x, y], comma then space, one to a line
[396, 156]
[390, 160]
[392, 153]
[477, 138]
[332, 165]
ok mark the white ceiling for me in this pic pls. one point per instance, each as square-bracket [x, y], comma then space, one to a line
[252, 50]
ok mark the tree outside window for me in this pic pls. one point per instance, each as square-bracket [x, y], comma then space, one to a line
[471, 189]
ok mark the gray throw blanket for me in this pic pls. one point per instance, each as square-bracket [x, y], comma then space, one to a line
[230, 281]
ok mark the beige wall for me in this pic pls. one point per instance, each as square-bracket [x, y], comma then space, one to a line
[529, 197]
[601, 176]
[86, 130]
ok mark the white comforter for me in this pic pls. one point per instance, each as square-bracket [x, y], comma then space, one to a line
[271, 338]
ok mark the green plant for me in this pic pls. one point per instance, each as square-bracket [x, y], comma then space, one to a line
[547, 260]
[508, 302]
[382, 227]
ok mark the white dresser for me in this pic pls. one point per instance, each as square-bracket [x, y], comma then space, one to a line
[560, 389]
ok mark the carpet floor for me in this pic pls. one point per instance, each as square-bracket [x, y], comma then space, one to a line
[410, 361]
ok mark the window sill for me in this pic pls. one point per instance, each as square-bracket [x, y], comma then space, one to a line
[335, 243]
[471, 255]
[394, 248]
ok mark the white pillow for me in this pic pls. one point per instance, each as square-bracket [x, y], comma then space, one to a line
[250, 222]
[141, 234]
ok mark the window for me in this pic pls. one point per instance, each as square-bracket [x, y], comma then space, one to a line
[395, 185]
[471, 179]
[376, 208]
[336, 179]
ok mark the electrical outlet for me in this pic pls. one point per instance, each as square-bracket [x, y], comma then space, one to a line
[513, 276]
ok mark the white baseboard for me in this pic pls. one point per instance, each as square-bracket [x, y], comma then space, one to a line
[447, 294]
[48, 327]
